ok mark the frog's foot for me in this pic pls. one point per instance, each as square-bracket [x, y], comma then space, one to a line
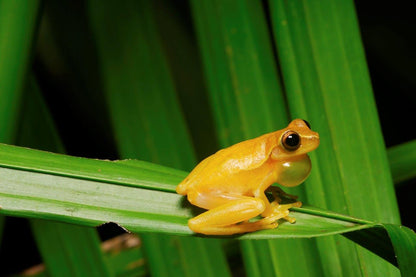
[273, 218]
[282, 210]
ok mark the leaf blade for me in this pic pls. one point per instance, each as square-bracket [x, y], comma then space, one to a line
[402, 160]
[107, 201]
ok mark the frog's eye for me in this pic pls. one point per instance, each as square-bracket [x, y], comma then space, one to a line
[307, 123]
[291, 140]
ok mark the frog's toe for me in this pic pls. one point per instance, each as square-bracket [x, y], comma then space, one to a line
[271, 226]
[282, 211]
[273, 218]
[264, 225]
[290, 219]
[297, 204]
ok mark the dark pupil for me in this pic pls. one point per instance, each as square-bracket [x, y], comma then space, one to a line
[307, 123]
[292, 140]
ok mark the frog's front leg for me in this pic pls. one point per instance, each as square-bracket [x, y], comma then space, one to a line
[275, 210]
[231, 217]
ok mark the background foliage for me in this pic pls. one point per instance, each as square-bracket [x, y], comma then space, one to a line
[171, 82]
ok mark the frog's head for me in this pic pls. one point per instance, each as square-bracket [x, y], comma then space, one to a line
[296, 140]
[290, 151]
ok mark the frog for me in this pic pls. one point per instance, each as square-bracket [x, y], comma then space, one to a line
[232, 184]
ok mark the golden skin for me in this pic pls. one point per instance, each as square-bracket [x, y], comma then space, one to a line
[231, 183]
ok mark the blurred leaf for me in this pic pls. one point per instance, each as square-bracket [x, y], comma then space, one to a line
[180, 46]
[66, 68]
[124, 255]
[148, 122]
[237, 53]
[126, 54]
[402, 159]
[36, 128]
[18, 22]
[69, 250]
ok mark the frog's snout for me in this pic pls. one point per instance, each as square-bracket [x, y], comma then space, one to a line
[311, 142]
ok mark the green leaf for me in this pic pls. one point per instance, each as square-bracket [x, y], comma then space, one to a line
[185, 66]
[36, 128]
[404, 243]
[36, 193]
[17, 28]
[402, 159]
[327, 83]
[92, 200]
[128, 52]
[69, 250]
[239, 70]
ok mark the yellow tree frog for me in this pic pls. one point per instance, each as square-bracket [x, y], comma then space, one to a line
[231, 183]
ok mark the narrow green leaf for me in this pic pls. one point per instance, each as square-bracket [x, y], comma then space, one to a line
[118, 172]
[35, 192]
[17, 27]
[36, 128]
[370, 239]
[30, 192]
[68, 69]
[185, 66]
[404, 243]
[128, 53]
[327, 82]
[69, 250]
[92, 203]
[401, 251]
[402, 159]
[18, 22]
[239, 68]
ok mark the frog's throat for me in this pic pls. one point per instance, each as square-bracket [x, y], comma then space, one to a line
[293, 173]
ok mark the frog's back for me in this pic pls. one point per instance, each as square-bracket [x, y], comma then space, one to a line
[245, 155]
[196, 175]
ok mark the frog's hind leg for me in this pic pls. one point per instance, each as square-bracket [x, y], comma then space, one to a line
[224, 219]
